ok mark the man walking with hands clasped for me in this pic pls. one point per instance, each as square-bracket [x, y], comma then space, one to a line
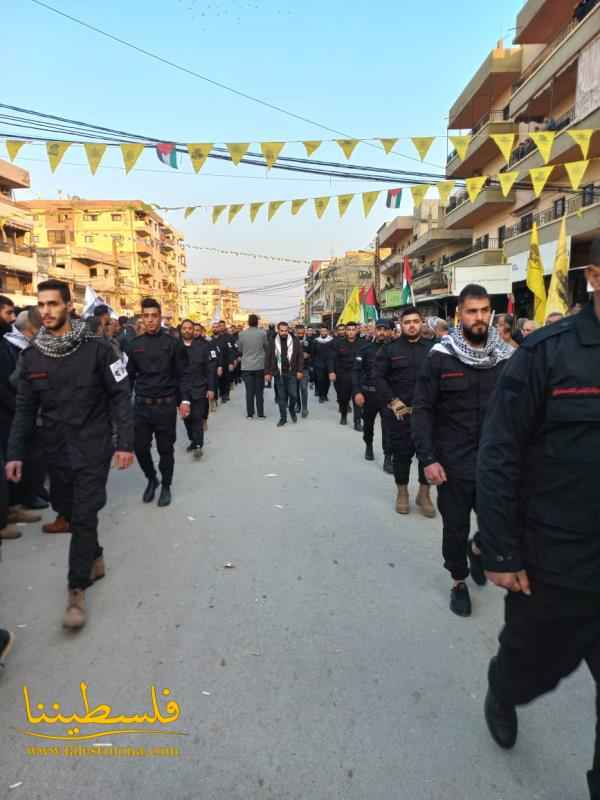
[285, 361]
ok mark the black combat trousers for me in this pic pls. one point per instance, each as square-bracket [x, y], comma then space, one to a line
[343, 388]
[456, 500]
[224, 384]
[160, 422]
[322, 382]
[546, 637]
[402, 447]
[371, 408]
[194, 423]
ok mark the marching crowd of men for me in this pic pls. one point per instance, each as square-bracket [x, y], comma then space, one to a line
[503, 420]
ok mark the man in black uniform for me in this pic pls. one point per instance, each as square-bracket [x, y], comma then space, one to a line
[203, 360]
[397, 368]
[307, 348]
[364, 389]
[228, 355]
[341, 362]
[452, 394]
[158, 369]
[81, 389]
[320, 359]
[539, 512]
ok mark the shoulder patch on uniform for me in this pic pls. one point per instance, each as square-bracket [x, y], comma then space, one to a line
[213, 354]
[119, 371]
[548, 332]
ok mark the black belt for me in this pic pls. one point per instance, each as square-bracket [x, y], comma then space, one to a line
[155, 401]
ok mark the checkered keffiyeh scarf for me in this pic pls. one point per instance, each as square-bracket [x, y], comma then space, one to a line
[61, 346]
[493, 352]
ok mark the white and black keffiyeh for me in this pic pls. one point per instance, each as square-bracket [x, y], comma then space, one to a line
[289, 351]
[61, 346]
[493, 352]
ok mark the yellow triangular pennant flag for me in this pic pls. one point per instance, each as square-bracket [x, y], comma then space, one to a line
[423, 145]
[461, 144]
[13, 146]
[388, 145]
[94, 153]
[199, 152]
[297, 205]
[271, 151]
[544, 141]
[131, 153]
[583, 139]
[189, 211]
[507, 180]
[217, 211]
[274, 207]
[475, 186]
[576, 170]
[445, 190]
[506, 143]
[418, 194]
[558, 293]
[348, 146]
[535, 276]
[56, 151]
[369, 200]
[237, 151]
[234, 210]
[254, 209]
[539, 178]
[321, 204]
[311, 147]
[344, 201]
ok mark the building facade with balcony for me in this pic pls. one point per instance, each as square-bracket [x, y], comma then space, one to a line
[209, 301]
[18, 258]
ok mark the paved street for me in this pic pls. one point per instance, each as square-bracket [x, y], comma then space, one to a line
[333, 665]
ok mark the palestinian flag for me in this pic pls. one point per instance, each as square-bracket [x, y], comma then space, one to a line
[408, 297]
[368, 301]
[394, 198]
[167, 153]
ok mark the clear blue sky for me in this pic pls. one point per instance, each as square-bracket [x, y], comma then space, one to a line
[390, 69]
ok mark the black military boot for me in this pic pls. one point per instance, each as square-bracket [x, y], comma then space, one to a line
[165, 496]
[460, 600]
[476, 565]
[358, 425]
[388, 465]
[502, 722]
[369, 454]
[344, 419]
[150, 492]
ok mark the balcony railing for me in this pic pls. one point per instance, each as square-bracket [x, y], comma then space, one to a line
[485, 243]
[588, 196]
[528, 146]
[497, 115]
[547, 51]
[9, 247]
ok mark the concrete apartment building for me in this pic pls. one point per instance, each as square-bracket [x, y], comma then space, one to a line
[209, 301]
[329, 284]
[18, 262]
[548, 81]
[123, 249]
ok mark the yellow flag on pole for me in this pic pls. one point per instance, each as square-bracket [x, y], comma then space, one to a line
[506, 143]
[352, 309]
[583, 139]
[271, 151]
[297, 205]
[237, 151]
[189, 211]
[348, 146]
[445, 190]
[507, 180]
[321, 204]
[216, 213]
[13, 146]
[199, 152]
[475, 187]
[388, 145]
[461, 145]
[56, 151]
[311, 147]
[576, 171]
[423, 145]
[234, 210]
[274, 207]
[535, 276]
[344, 201]
[94, 153]
[418, 194]
[558, 293]
[131, 152]
[539, 178]
[545, 142]
[254, 209]
[369, 200]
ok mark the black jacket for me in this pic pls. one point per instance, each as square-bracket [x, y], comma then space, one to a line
[8, 363]
[78, 396]
[320, 353]
[307, 349]
[364, 378]
[397, 368]
[296, 362]
[226, 349]
[539, 463]
[204, 359]
[342, 354]
[449, 407]
[158, 366]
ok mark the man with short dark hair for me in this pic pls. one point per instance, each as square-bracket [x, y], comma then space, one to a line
[252, 345]
[102, 313]
[198, 330]
[364, 388]
[159, 371]
[452, 395]
[227, 358]
[81, 389]
[341, 362]
[285, 361]
[321, 348]
[203, 360]
[307, 349]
